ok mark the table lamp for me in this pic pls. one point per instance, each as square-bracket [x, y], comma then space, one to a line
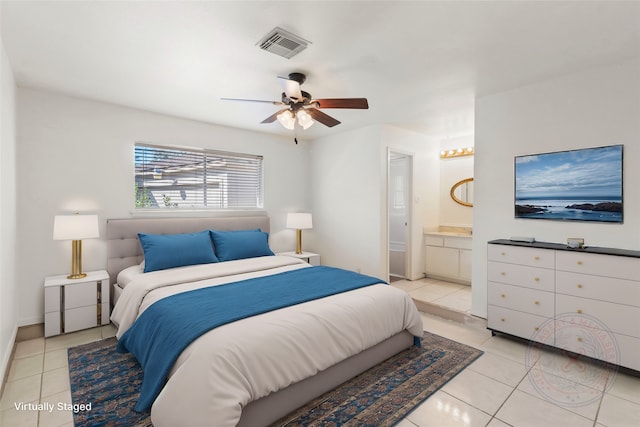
[299, 221]
[75, 228]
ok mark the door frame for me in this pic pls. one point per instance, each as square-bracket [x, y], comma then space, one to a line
[408, 261]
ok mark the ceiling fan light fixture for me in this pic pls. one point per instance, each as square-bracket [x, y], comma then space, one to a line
[304, 119]
[287, 119]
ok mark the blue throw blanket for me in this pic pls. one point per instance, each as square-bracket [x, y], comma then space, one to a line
[168, 326]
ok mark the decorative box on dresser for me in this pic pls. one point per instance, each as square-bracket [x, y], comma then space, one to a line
[75, 304]
[588, 298]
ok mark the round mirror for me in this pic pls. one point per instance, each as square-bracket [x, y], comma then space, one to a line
[462, 192]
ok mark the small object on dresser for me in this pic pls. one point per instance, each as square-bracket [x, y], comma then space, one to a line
[522, 239]
[575, 242]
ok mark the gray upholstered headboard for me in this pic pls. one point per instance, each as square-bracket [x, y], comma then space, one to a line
[123, 247]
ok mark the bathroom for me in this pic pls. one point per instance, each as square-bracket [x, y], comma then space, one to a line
[447, 247]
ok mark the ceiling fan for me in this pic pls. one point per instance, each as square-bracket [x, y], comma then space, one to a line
[302, 108]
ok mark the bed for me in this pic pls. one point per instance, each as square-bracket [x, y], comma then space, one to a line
[252, 371]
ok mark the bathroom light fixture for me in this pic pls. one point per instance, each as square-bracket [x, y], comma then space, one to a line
[75, 228]
[458, 152]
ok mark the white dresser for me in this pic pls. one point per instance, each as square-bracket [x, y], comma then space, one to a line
[74, 304]
[583, 300]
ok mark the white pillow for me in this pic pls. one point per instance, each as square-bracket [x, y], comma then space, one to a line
[130, 273]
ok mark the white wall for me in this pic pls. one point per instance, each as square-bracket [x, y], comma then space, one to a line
[8, 294]
[587, 109]
[348, 180]
[77, 155]
[345, 182]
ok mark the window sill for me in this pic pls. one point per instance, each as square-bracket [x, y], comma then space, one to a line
[188, 213]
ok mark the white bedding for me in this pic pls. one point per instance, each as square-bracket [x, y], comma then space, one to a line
[232, 365]
[127, 275]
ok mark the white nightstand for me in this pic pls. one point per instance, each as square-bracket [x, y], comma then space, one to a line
[311, 258]
[74, 304]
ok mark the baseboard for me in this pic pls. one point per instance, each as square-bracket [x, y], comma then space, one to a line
[6, 360]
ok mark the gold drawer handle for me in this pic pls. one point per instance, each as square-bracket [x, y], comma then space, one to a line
[502, 296]
[502, 253]
[536, 258]
[579, 311]
[579, 285]
[579, 262]
[502, 319]
[536, 302]
[502, 273]
[537, 279]
[535, 328]
[579, 339]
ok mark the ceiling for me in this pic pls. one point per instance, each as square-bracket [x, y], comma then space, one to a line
[421, 64]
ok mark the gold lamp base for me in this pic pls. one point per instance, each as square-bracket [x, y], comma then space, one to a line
[298, 241]
[76, 260]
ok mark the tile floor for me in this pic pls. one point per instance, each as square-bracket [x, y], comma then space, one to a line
[39, 373]
[438, 292]
[497, 390]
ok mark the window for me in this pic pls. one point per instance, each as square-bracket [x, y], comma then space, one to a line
[179, 178]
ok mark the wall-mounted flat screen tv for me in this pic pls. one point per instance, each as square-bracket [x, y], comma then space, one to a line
[578, 185]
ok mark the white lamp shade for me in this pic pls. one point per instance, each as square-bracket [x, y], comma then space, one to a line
[75, 227]
[299, 221]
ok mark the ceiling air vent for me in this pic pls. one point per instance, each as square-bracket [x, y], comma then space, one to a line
[282, 43]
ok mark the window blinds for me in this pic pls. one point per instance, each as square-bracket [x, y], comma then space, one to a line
[174, 178]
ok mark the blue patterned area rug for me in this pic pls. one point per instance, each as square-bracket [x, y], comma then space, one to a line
[381, 396]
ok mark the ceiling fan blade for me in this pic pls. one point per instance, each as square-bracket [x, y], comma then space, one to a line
[272, 118]
[291, 88]
[323, 118]
[359, 103]
[252, 100]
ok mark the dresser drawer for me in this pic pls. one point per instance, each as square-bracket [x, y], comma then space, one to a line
[533, 257]
[81, 294]
[622, 319]
[629, 350]
[457, 242]
[80, 318]
[599, 288]
[521, 275]
[621, 267]
[524, 325]
[611, 347]
[433, 240]
[527, 300]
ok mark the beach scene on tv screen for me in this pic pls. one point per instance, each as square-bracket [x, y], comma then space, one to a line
[582, 185]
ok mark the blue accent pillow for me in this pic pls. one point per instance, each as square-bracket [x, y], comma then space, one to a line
[240, 244]
[162, 251]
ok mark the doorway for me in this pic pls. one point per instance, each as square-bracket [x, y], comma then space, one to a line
[399, 199]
